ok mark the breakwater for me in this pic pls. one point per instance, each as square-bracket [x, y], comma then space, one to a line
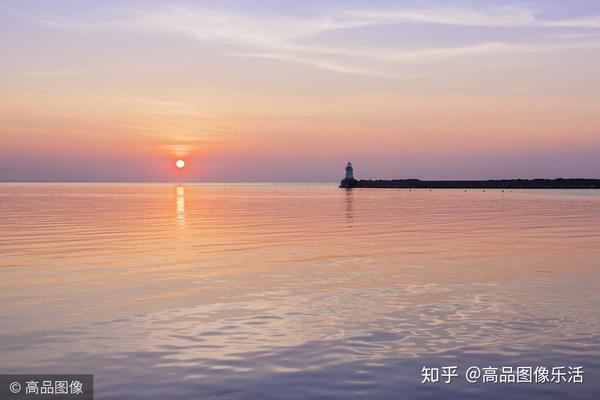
[559, 183]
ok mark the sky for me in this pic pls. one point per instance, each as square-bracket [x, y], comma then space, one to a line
[290, 91]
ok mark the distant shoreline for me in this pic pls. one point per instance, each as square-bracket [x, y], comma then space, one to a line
[560, 183]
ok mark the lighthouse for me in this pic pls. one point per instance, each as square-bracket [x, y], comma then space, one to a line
[348, 181]
[349, 171]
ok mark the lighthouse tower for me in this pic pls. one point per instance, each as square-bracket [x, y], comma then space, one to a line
[349, 171]
[348, 181]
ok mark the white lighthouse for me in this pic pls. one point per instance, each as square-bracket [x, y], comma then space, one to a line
[348, 181]
[349, 171]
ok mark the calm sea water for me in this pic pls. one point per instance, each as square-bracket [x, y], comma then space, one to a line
[298, 291]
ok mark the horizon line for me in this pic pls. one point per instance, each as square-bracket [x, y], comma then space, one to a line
[279, 181]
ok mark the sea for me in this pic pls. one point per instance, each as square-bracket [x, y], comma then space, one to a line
[302, 291]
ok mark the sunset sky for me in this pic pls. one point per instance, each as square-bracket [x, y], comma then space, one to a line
[292, 90]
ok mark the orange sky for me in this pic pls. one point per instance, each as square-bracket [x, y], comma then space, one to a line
[119, 91]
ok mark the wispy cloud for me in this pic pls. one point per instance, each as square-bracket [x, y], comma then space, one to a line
[497, 17]
[505, 17]
[295, 39]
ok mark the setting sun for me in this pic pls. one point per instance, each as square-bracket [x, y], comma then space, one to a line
[180, 164]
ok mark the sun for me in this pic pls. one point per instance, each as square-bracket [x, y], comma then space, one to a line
[180, 164]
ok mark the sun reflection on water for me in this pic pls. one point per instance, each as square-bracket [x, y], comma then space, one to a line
[180, 204]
